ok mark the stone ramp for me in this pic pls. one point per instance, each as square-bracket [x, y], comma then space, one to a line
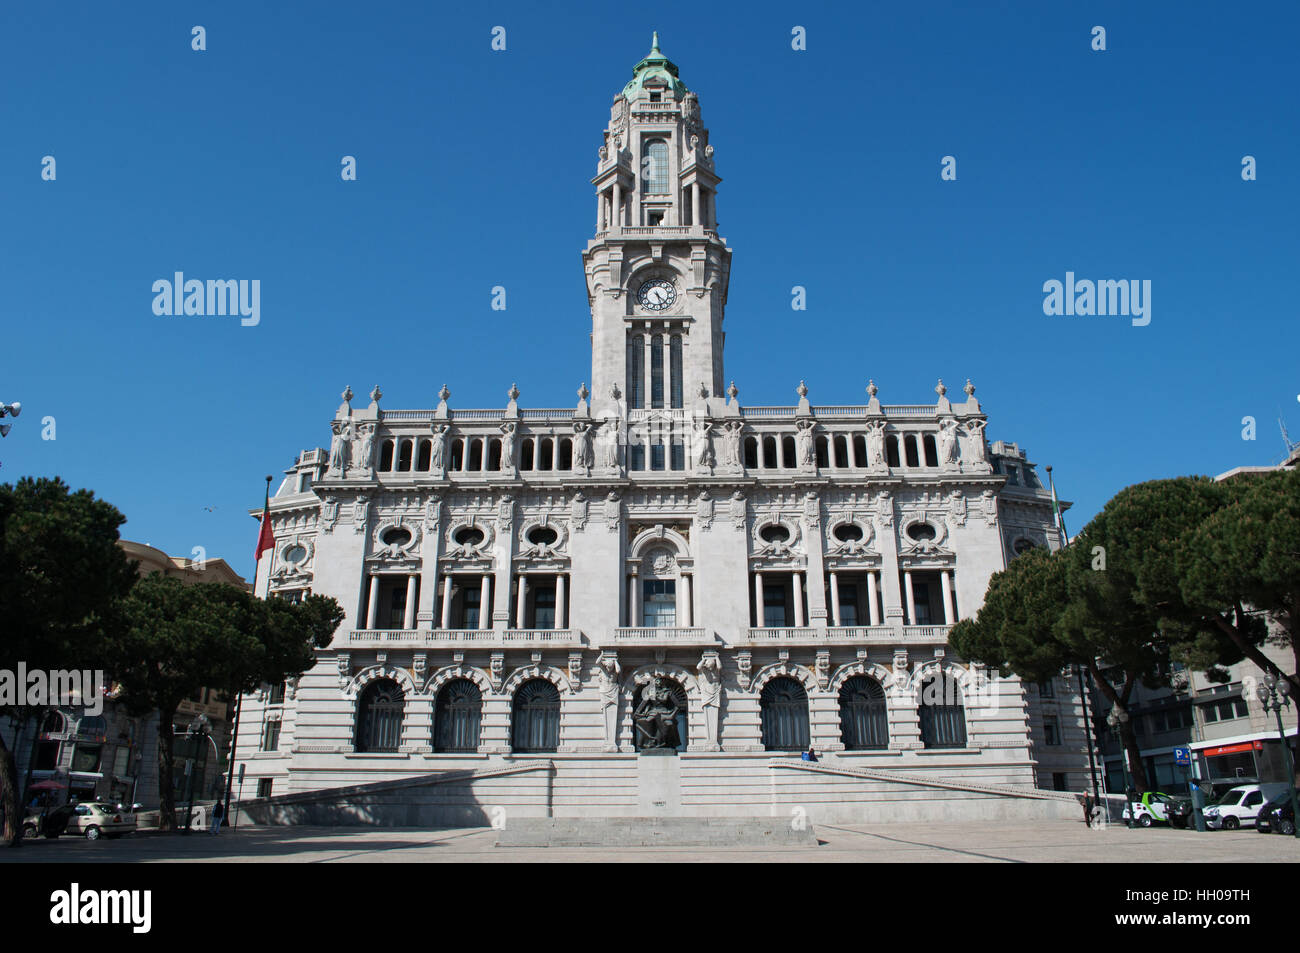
[773, 832]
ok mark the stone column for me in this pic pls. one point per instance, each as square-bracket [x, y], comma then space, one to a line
[617, 219]
[521, 603]
[798, 599]
[638, 616]
[873, 611]
[695, 205]
[485, 602]
[409, 621]
[372, 607]
[949, 611]
[600, 209]
[560, 601]
[689, 618]
[835, 599]
[758, 599]
[911, 601]
[446, 601]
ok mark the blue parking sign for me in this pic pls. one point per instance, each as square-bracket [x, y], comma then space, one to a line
[1183, 756]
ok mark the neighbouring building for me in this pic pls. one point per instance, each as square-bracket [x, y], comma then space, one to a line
[514, 578]
[113, 756]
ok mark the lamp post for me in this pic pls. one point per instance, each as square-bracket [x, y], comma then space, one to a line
[199, 727]
[1117, 719]
[1274, 694]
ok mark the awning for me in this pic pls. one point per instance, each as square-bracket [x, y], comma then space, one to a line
[1239, 739]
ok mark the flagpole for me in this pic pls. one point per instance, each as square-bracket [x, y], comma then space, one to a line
[1056, 508]
[234, 731]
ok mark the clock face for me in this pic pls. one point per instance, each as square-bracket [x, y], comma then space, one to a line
[656, 294]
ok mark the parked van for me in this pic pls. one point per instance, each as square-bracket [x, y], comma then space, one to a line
[1240, 806]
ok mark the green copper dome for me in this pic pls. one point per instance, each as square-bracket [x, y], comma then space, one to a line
[654, 72]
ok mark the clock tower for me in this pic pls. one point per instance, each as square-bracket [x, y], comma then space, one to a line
[657, 272]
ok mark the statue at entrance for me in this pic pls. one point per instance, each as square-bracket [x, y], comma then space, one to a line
[655, 718]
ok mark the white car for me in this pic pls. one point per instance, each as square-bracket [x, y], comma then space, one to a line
[1239, 806]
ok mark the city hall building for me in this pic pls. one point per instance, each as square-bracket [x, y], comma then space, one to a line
[516, 578]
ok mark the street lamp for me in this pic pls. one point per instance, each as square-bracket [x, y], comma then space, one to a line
[1117, 718]
[1274, 694]
[201, 726]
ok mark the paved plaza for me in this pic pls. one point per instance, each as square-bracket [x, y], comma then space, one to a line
[1041, 842]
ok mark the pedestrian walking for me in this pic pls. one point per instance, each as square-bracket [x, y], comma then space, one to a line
[1087, 807]
[218, 812]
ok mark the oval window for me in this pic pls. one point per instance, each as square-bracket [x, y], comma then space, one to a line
[468, 536]
[774, 533]
[1023, 546]
[848, 532]
[543, 536]
[396, 536]
[921, 532]
[295, 554]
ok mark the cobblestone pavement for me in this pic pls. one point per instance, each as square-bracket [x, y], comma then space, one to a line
[1044, 841]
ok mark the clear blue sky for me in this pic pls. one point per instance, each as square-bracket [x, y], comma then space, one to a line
[473, 171]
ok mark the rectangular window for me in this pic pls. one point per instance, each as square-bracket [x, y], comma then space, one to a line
[47, 756]
[544, 607]
[656, 456]
[636, 372]
[271, 735]
[86, 758]
[774, 606]
[264, 787]
[636, 456]
[304, 482]
[1059, 781]
[848, 606]
[657, 371]
[1051, 730]
[675, 366]
[470, 612]
[396, 603]
[659, 603]
[678, 461]
[921, 597]
[276, 696]
[1047, 689]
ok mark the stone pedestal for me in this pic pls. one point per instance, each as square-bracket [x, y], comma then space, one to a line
[659, 783]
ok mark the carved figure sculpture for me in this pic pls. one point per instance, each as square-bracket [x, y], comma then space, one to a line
[655, 718]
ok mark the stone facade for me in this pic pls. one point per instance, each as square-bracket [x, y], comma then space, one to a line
[659, 527]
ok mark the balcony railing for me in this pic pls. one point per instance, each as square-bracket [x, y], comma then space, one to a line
[861, 633]
[676, 634]
[513, 638]
[926, 633]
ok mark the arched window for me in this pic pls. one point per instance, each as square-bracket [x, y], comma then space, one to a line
[864, 720]
[379, 716]
[424, 459]
[526, 456]
[457, 455]
[457, 714]
[823, 454]
[565, 461]
[683, 712]
[546, 454]
[891, 450]
[404, 449]
[784, 706]
[859, 450]
[386, 456]
[655, 168]
[770, 462]
[909, 448]
[494, 453]
[841, 450]
[636, 372]
[931, 452]
[53, 723]
[943, 720]
[751, 453]
[788, 458]
[535, 717]
[93, 726]
[475, 454]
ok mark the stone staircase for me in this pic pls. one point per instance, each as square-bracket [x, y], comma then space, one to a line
[773, 832]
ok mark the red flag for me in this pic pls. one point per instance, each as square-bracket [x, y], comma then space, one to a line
[265, 539]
